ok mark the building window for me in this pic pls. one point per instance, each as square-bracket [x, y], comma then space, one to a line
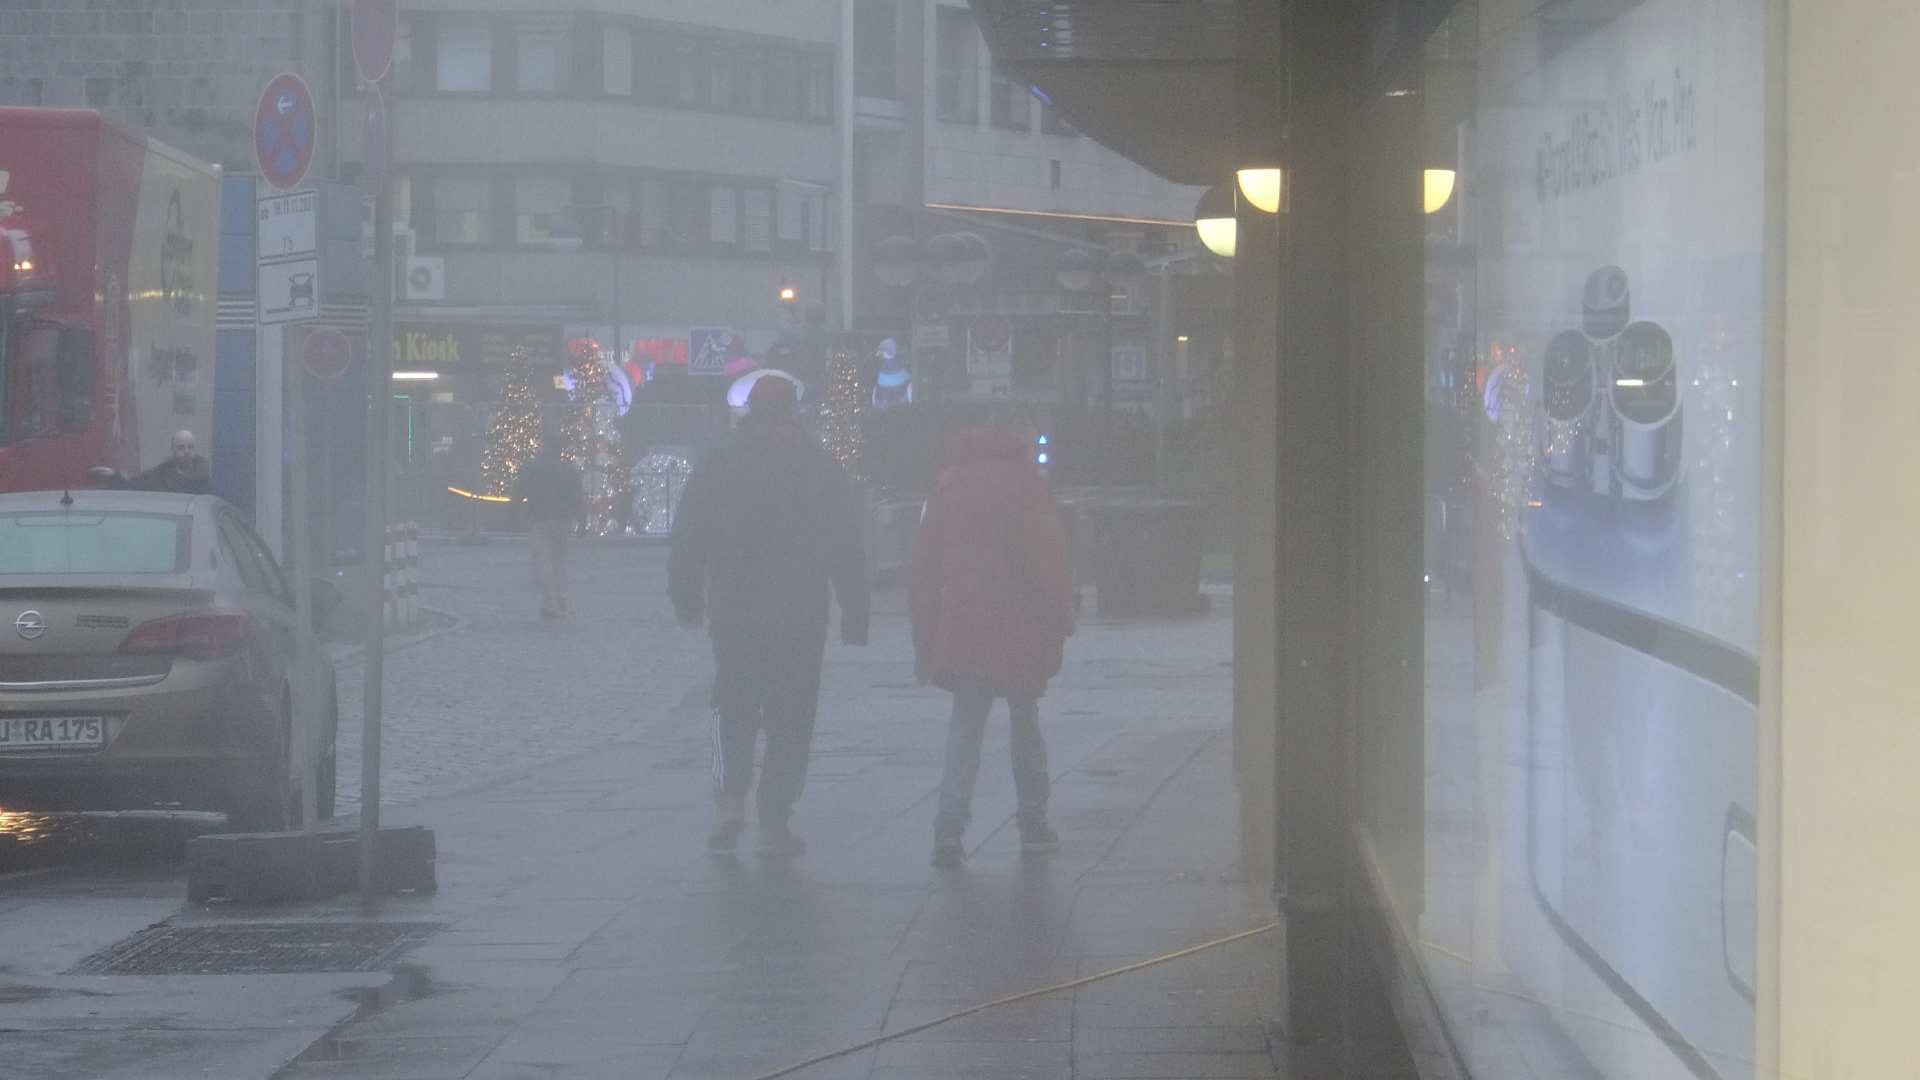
[540, 58]
[724, 229]
[819, 234]
[653, 67]
[750, 81]
[616, 62]
[652, 214]
[617, 194]
[689, 213]
[820, 89]
[673, 215]
[783, 85]
[875, 43]
[462, 210]
[791, 219]
[756, 220]
[463, 58]
[718, 62]
[957, 67]
[1010, 100]
[543, 211]
[686, 70]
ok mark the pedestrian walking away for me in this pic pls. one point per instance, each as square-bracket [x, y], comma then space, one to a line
[991, 600]
[549, 487]
[185, 471]
[765, 529]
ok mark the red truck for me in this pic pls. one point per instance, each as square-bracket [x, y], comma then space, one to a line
[108, 277]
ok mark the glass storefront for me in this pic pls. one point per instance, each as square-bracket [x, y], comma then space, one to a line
[1583, 894]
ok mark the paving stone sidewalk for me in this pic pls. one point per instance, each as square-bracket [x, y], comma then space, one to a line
[589, 934]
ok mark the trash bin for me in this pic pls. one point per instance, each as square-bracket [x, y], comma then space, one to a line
[1146, 557]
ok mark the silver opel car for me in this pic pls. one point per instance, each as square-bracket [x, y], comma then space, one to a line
[148, 653]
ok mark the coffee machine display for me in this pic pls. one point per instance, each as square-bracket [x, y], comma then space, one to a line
[1645, 407]
[1610, 400]
[1567, 394]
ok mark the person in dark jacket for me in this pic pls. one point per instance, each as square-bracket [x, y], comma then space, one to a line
[991, 598]
[185, 472]
[549, 487]
[762, 530]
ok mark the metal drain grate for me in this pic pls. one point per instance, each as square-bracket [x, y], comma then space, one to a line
[257, 949]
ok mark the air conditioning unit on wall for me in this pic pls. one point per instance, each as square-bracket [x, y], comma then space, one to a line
[425, 279]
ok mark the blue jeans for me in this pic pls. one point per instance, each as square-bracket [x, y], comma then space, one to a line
[971, 707]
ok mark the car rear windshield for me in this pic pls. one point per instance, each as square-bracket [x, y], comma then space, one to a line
[92, 543]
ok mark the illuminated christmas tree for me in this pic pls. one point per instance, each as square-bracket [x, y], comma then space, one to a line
[842, 421]
[513, 431]
[586, 386]
[591, 439]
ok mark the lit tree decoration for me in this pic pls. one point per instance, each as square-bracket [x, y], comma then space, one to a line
[1509, 403]
[841, 422]
[513, 431]
[590, 439]
[656, 482]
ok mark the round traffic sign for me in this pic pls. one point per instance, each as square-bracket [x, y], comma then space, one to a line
[284, 131]
[373, 26]
[377, 148]
[326, 353]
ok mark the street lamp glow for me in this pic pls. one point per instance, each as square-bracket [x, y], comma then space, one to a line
[1221, 235]
[1214, 219]
[1263, 188]
[788, 294]
[1439, 189]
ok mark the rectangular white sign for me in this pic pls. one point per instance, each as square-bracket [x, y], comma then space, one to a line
[288, 225]
[289, 291]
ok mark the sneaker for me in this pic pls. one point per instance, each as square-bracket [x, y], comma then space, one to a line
[948, 854]
[781, 843]
[725, 835]
[1039, 839]
[728, 819]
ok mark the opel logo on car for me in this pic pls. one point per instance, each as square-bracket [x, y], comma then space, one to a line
[30, 624]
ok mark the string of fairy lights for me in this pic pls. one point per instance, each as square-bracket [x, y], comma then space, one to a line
[842, 419]
[623, 485]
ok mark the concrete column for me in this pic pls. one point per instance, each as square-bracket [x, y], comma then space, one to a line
[1313, 504]
[1254, 420]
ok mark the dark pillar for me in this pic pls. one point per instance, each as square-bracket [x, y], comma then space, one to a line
[1314, 506]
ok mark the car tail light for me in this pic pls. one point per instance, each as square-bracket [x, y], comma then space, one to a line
[203, 635]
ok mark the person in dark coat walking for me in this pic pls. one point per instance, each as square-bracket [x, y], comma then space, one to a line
[549, 488]
[991, 597]
[762, 530]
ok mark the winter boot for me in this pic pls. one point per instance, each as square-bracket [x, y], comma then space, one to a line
[729, 817]
[949, 853]
[1038, 838]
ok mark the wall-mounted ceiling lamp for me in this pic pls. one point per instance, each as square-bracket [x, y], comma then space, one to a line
[1214, 219]
[1439, 189]
[1264, 187]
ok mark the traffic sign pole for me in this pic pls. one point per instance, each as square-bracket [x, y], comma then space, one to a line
[373, 26]
[380, 378]
[300, 546]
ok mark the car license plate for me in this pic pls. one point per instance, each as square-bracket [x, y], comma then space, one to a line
[52, 733]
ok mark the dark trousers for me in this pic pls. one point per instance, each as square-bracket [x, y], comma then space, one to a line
[772, 683]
